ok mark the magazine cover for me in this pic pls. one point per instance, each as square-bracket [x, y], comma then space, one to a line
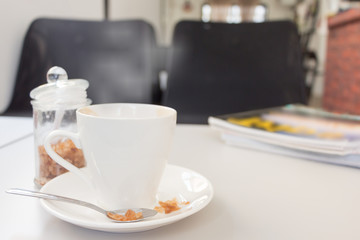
[294, 126]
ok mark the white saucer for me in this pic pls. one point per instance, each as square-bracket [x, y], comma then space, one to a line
[179, 182]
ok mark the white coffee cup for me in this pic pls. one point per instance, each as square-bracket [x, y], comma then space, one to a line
[126, 147]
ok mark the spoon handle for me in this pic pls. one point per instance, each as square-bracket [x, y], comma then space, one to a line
[30, 193]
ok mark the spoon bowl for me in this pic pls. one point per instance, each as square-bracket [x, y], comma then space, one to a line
[120, 215]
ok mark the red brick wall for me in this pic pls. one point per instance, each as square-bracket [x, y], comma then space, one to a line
[342, 79]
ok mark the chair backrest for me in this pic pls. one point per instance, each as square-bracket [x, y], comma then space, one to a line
[219, 68]
[117, 58]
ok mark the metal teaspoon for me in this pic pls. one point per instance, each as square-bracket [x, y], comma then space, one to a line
[146, 212]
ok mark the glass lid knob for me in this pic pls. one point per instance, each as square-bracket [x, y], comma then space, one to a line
[56, 74]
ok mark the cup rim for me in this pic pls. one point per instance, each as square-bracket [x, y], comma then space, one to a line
[170, 111]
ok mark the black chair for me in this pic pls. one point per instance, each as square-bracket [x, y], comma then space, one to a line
[118, 59]
[219, 68]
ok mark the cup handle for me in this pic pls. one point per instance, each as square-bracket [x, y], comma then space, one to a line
[56, 157]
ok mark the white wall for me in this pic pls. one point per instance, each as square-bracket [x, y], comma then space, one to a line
[148, 10]
[16, 16]
[174, 13]
[278, 11]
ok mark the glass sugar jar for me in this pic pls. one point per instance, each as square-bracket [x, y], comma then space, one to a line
[54, 107]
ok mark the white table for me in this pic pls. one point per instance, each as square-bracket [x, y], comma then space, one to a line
[13, 129]
[257, 196]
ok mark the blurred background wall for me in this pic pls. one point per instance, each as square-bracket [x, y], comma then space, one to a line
[16, 16]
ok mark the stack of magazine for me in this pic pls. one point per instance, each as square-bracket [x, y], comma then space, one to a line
[294, 130]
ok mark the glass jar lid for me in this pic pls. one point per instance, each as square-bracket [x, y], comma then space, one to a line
[60, 92]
